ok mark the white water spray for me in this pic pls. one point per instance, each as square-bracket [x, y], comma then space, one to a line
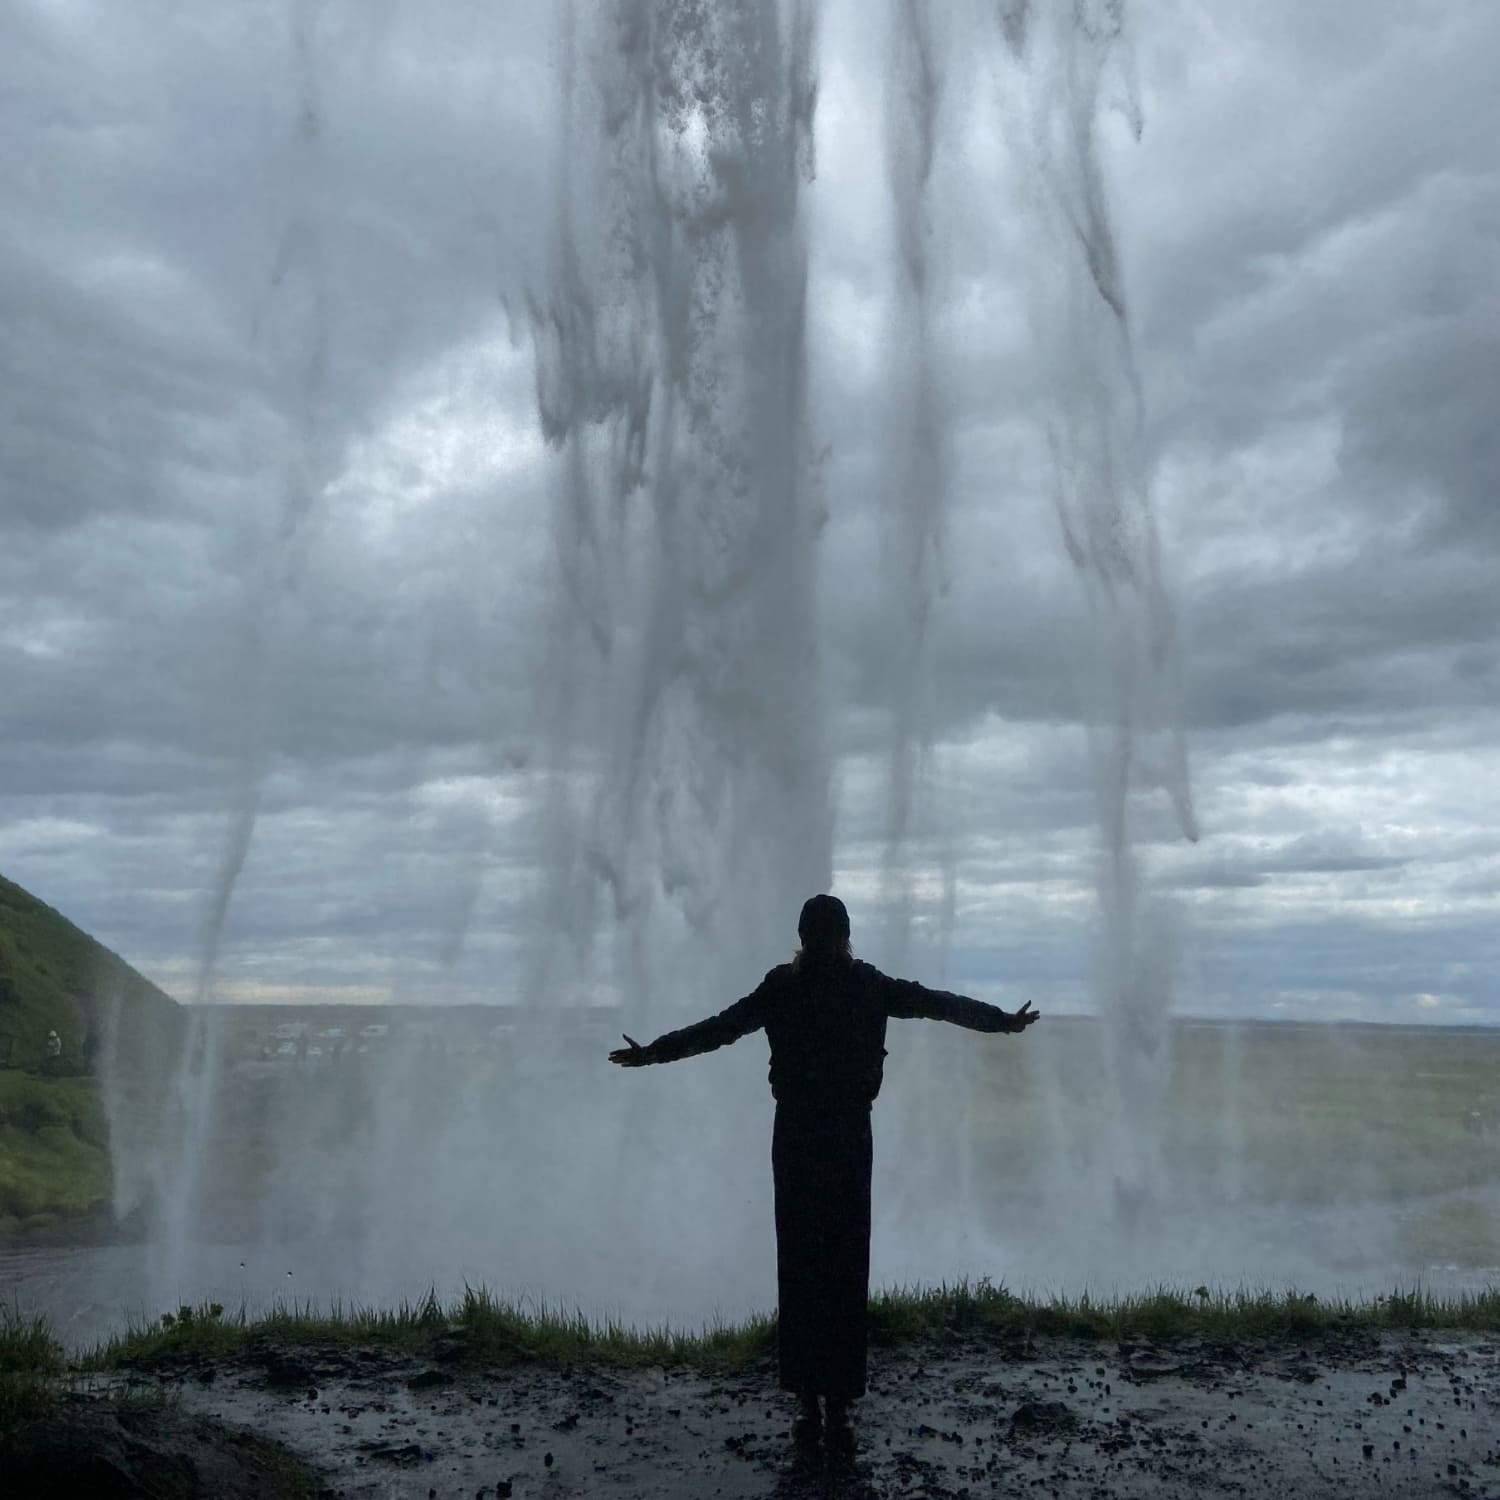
[670, 377]
[681, 747]
[932, 1188]
[291, 330]
[690, 772]
[1064, 55]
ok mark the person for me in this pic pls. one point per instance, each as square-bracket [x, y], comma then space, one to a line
[825, 1017]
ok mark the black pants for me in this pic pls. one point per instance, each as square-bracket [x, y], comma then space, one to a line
[821, 1167]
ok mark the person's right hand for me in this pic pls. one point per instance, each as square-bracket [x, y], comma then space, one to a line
[633, 1056]
[1021, 1019]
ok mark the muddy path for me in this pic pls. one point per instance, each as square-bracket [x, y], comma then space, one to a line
[1375, 1415]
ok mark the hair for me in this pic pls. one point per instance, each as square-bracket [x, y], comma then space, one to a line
[839, 949]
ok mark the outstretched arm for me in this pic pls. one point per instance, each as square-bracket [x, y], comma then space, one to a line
[743, 1017]
[908, 1000]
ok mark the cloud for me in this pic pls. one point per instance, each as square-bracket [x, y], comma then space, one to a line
[310, 508]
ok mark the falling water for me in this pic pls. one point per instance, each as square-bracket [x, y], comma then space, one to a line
[933, 1186]
[914, 502]
[291, 335]
[1065, 56]
[690, 811]
[670, 378]
[681, 770]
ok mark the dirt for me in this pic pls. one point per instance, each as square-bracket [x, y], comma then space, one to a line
[120, 1450]
[1381, 1415]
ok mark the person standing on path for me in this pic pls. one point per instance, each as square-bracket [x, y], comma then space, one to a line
[825, 1016]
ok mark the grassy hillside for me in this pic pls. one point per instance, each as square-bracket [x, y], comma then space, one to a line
[54, 1160]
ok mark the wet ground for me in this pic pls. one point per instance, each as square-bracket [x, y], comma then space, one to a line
[1379, 1415]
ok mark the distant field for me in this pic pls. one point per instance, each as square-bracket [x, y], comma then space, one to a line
[1277, 1114]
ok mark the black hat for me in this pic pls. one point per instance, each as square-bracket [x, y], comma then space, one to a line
[824, 921]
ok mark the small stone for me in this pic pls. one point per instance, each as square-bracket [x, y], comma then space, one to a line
[1037, 1416]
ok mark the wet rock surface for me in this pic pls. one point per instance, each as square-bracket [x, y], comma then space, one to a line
[1408, 1416]
[145, 1449]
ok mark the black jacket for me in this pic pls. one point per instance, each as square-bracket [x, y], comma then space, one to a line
[825, 1021]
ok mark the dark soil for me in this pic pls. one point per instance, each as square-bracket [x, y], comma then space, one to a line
[1410, 1416]
[106, 1448]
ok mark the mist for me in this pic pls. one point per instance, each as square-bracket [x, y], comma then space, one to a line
[603, 473]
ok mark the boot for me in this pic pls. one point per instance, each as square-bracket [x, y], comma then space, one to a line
[807, 1430]
[838, 1433]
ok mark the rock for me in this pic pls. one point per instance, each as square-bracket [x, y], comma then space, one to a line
[396, 1453]
[86, 1446]
[283, 1369]
[1043, 1416]
[1149, 1364]
[448, 1350]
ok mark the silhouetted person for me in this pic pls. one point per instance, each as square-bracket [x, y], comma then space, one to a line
[824, 1015]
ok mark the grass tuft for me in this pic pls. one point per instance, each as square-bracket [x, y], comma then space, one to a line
[31, 1365]
[482, 1329]
[1168, 1314]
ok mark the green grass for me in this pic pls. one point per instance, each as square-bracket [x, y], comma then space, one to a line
[55, 977]
[54, 1152]
[1170, 1314]
[482, 1330]
[31, 1367]
[1462, 1232]
[54, 1158]
[1264, 1113]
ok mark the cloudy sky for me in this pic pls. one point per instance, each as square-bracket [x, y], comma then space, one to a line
[275, 506]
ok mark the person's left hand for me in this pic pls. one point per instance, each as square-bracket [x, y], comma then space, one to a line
[633, 1056]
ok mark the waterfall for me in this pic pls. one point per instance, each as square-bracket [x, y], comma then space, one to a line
[689, 756]
[680, 752]
[291, 334]
[1091, 389]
